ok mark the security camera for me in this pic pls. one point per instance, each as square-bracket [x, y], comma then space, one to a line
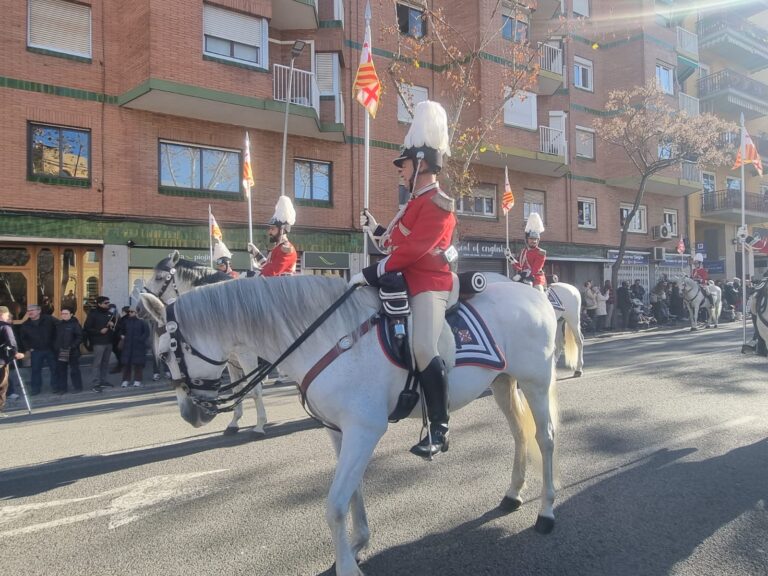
[130, 243]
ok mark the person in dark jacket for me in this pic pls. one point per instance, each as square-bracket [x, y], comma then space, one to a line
[116, 341]
[99, 328]
[133, 336]
[8, 353]
[69, 336]
[37, 335]
[624, 303]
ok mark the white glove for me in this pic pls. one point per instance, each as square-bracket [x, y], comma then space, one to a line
[253, 251]
[358, 280]
[367, 220]
[509, 256]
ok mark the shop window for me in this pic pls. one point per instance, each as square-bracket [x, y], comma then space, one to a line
[14, 256]
[60, 153]
[195, 168]
[312, 182]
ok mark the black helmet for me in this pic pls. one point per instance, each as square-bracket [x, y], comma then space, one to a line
[430, 156]
[223, 260]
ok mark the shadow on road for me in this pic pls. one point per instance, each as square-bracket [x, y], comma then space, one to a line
[645, 520]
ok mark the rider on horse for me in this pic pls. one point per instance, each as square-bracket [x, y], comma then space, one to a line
[282, 258]
[529, 266]
[700, 274]
[418, 244]
[223, 260]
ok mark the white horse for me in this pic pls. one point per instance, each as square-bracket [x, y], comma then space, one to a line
[758, 305]
[694, 298]
[359, 389]
[174, 276]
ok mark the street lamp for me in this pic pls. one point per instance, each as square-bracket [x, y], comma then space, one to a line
[298, 47]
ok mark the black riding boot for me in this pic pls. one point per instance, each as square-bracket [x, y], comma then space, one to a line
[435, 385]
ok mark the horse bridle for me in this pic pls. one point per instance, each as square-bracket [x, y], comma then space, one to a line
[170, 280]
[689, 300]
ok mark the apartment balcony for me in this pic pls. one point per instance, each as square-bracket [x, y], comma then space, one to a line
[304, 119]
[728, 94]
[687, 48]
[725, 206]
[678, 182]
[550, 159]
[734, 39]
[550, 69]
[294, 15]
[689, 104]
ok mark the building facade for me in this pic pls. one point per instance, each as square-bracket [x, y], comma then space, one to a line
[124, 122]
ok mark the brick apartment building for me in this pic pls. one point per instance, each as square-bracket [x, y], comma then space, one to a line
[123, 121]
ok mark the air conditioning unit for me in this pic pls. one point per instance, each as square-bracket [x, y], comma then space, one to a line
[659, 253]
[663, 232]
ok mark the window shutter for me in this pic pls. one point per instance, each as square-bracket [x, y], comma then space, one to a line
[324, 65]
[60, 26]
[521, 110]
[232, 26]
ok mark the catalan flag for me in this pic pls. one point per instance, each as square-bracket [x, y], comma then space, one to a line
[751, 155]
[215, 230]
[508, 199]
[367, 88]
[247, 171]
[681, 245]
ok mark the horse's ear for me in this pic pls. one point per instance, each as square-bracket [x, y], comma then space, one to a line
[154, 307]
[175, 256]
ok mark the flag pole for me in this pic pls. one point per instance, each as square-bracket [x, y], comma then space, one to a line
[507, 259]
[366, 152]
[742, 236]
[210, 237]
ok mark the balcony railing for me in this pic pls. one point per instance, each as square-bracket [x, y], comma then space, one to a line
[552, 141]
[744, 28]
[304, 90]
[728, 79]
[731, 200]
[690, 171]
[689, 104]
[551, 58]
[687, 41]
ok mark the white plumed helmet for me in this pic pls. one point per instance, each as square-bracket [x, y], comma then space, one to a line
[534, 226]
[285, 214]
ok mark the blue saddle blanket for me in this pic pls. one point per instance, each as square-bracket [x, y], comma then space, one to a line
[554, 300]
[475, 345]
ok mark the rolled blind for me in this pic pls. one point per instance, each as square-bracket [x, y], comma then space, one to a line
[232, 26]
[324, 64]
[60, 26]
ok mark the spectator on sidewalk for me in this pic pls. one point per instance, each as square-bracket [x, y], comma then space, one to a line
[133, 335]
[8, 353]
[610, 303]
[99, 329]
[116, 341]
[637, 291]
[624, 302]
[601, 312]
[37, 336]
[69, 336]
[590, 303]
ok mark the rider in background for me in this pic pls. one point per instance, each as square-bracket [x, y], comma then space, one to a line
[418, 244]
[700, 274]
[222, 258]
[530, 265]
[283, 256]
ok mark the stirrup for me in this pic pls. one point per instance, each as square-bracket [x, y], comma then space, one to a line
[432, 444]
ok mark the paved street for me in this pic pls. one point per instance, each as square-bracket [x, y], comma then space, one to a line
[663, 457]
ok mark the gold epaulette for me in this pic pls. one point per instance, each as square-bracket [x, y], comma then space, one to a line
[443, 201]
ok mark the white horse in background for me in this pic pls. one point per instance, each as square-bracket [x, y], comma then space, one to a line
[758, 306]
[694, 299]
[359, 389]
[174, 276]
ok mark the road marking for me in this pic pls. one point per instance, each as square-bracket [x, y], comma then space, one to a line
[134, 501]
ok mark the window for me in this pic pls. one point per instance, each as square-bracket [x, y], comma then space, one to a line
[196, 168]
[581, 8]
[411, 21]
[582, 73]
[414, 95]
[708, 182]
[516, 25]
[234, 36]
[638, 223]
[587, 212]
[521, 110]
[58, 152]
[665, 78]
[312, 181]
[665, 151]
[327, 73]
[533, 201]
[59, 26]
[482, 202]
[670, 219]
[733, 184]
[585, 142]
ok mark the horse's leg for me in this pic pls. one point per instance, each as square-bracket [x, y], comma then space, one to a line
[261, 414]
[235, 373]
[694, 311]
[579, 336]
[361, 534]
[559, 339]
[505, 393]
[357, 447]
[537, 393]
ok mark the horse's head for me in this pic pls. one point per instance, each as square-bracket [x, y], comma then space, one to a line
[194, 374]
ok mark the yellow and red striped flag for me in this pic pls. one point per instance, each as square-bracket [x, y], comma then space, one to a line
[215, 230]
[247, 171]
[367, 88]
[751, 155]
[681, 245]
[508, 199]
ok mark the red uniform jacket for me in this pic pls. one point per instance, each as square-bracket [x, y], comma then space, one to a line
[533, 259]
[418, 239]
[700, 274]
[281, 260]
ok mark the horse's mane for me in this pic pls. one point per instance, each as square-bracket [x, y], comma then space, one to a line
[248, 307]
[190, 271]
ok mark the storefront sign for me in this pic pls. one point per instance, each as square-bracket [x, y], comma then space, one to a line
[326, 260]
[630, 258]
[480, 249]
[149, 257]
[715, 266]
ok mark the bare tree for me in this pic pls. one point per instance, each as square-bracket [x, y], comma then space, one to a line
[655, 136]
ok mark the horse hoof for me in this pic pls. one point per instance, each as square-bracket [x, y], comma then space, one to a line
[544, 525]
[258, 433]
[577, 374]
[510, 504]
[694, 329]
[231, 430]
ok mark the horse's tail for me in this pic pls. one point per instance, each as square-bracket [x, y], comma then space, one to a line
[571, 349]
